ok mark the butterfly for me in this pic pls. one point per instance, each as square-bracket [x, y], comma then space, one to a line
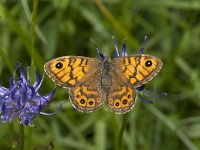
[94, 82]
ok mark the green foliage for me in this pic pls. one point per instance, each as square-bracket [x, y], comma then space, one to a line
[64, 27]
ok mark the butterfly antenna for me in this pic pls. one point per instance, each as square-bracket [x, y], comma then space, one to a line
[115, 44]
[98, 50]
[97, 45]
[142, 47]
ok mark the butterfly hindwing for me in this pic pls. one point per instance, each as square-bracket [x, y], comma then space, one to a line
[87, 97]
[121, 97]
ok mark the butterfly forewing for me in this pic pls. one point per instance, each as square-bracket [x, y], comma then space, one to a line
[137, 69]
[68, 71]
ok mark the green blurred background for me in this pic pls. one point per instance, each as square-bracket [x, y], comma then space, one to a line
[66, 27]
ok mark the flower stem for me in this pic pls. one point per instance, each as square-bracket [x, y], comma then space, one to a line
[33, 26]
[11, 133]
[120, 139]
[30, 138]
[33, 20]
[21, 128]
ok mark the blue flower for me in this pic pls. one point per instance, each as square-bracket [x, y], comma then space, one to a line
[22, 100]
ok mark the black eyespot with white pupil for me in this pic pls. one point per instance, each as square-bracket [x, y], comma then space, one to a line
[59, 65]
[148, 63]
[117, 104]
[90, 102]
[82, 101]
[124, 101]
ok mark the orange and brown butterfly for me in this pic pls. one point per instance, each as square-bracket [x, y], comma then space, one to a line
[94, 82]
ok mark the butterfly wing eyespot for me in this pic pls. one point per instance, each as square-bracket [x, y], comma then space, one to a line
[117, 104]
[59, 65]
[137, 70]
[148, 63]
[67, 71]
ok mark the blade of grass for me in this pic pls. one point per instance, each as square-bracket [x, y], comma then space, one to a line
[172, 126]
[122, 130]
[7, 61]
[28, 15]
[116, 24]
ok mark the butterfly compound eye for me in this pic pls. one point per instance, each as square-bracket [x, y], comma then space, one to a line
[148, 63]
[59, 65]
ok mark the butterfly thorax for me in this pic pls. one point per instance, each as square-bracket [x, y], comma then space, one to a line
[106, 77]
